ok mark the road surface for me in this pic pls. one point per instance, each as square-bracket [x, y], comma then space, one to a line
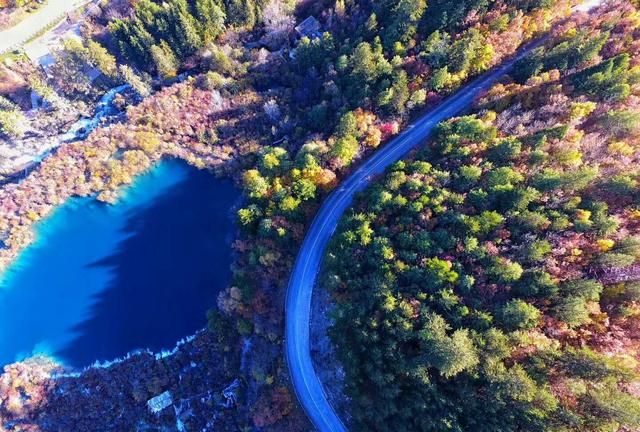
[53, 11]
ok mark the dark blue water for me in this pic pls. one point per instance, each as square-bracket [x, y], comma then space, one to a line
[101, 281]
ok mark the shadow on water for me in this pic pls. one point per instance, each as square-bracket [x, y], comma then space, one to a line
[164, 275]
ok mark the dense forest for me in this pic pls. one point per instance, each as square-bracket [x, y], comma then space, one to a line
[490, 281]
[339, 96]
[345, 92]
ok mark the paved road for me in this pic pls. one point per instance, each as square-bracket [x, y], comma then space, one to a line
[307, 266]
[53, 11]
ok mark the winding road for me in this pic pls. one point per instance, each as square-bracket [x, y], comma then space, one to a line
[307, 266]
[306, 383]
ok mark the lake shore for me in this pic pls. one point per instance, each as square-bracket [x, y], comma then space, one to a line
[40, 395]
[113, 156]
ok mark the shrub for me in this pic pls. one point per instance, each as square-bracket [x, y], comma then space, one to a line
[519, 315]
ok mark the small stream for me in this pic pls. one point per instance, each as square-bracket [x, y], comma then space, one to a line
[77, 131]
[83, 127]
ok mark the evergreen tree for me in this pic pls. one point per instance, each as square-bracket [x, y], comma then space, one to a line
[137, 83]
[165, 60]
[211, 18]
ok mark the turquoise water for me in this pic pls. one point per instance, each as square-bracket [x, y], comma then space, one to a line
[103, 280]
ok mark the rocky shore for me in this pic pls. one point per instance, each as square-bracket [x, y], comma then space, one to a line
[197, 377]
[67, 124]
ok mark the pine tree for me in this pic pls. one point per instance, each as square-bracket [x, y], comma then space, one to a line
[185, 30]
[140, 41]
[241, 13]
[211, 18]
[130, 77]
[164, 59]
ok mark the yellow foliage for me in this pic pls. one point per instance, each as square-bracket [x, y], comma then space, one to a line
[583, 215]
[605, 244]
[489, 117]
[580, 110]
[277, 185]
[147, 141]
[373, 137]
[620, 148]
[576, 136]
[627, 361]
[33, 215]
[571, 33]
[613, 291]
[400, 266]
[569, 157]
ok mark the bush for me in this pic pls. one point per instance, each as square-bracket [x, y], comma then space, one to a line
[615, 260]
[572, 310]
[519, 315]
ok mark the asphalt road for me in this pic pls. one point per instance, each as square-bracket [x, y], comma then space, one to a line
[307, 266]
[53, 11]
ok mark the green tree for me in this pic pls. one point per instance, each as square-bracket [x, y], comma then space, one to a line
[435, 49]
[211, 18]
[241, 13]
[572, 310]
[165, 60]
[345, 149]
[441, 79]
[519, 315]
[451, 355]
[537, 250]
[100, 58]
[402, 20]
[536, 283]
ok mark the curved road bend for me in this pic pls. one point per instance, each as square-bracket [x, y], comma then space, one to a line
[298, 302]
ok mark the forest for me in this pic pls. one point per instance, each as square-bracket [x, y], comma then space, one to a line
[484, 285]
[487, 282]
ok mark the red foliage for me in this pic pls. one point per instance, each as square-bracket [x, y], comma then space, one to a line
[272, 406]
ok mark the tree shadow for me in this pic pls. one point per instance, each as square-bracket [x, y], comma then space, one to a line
[166, 273]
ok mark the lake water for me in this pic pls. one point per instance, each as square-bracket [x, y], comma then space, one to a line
[103, 280]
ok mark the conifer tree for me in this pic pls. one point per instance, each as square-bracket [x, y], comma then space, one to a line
[211, 18]
[164, 59]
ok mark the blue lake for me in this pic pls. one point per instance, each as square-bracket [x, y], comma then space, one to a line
[103, 280]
